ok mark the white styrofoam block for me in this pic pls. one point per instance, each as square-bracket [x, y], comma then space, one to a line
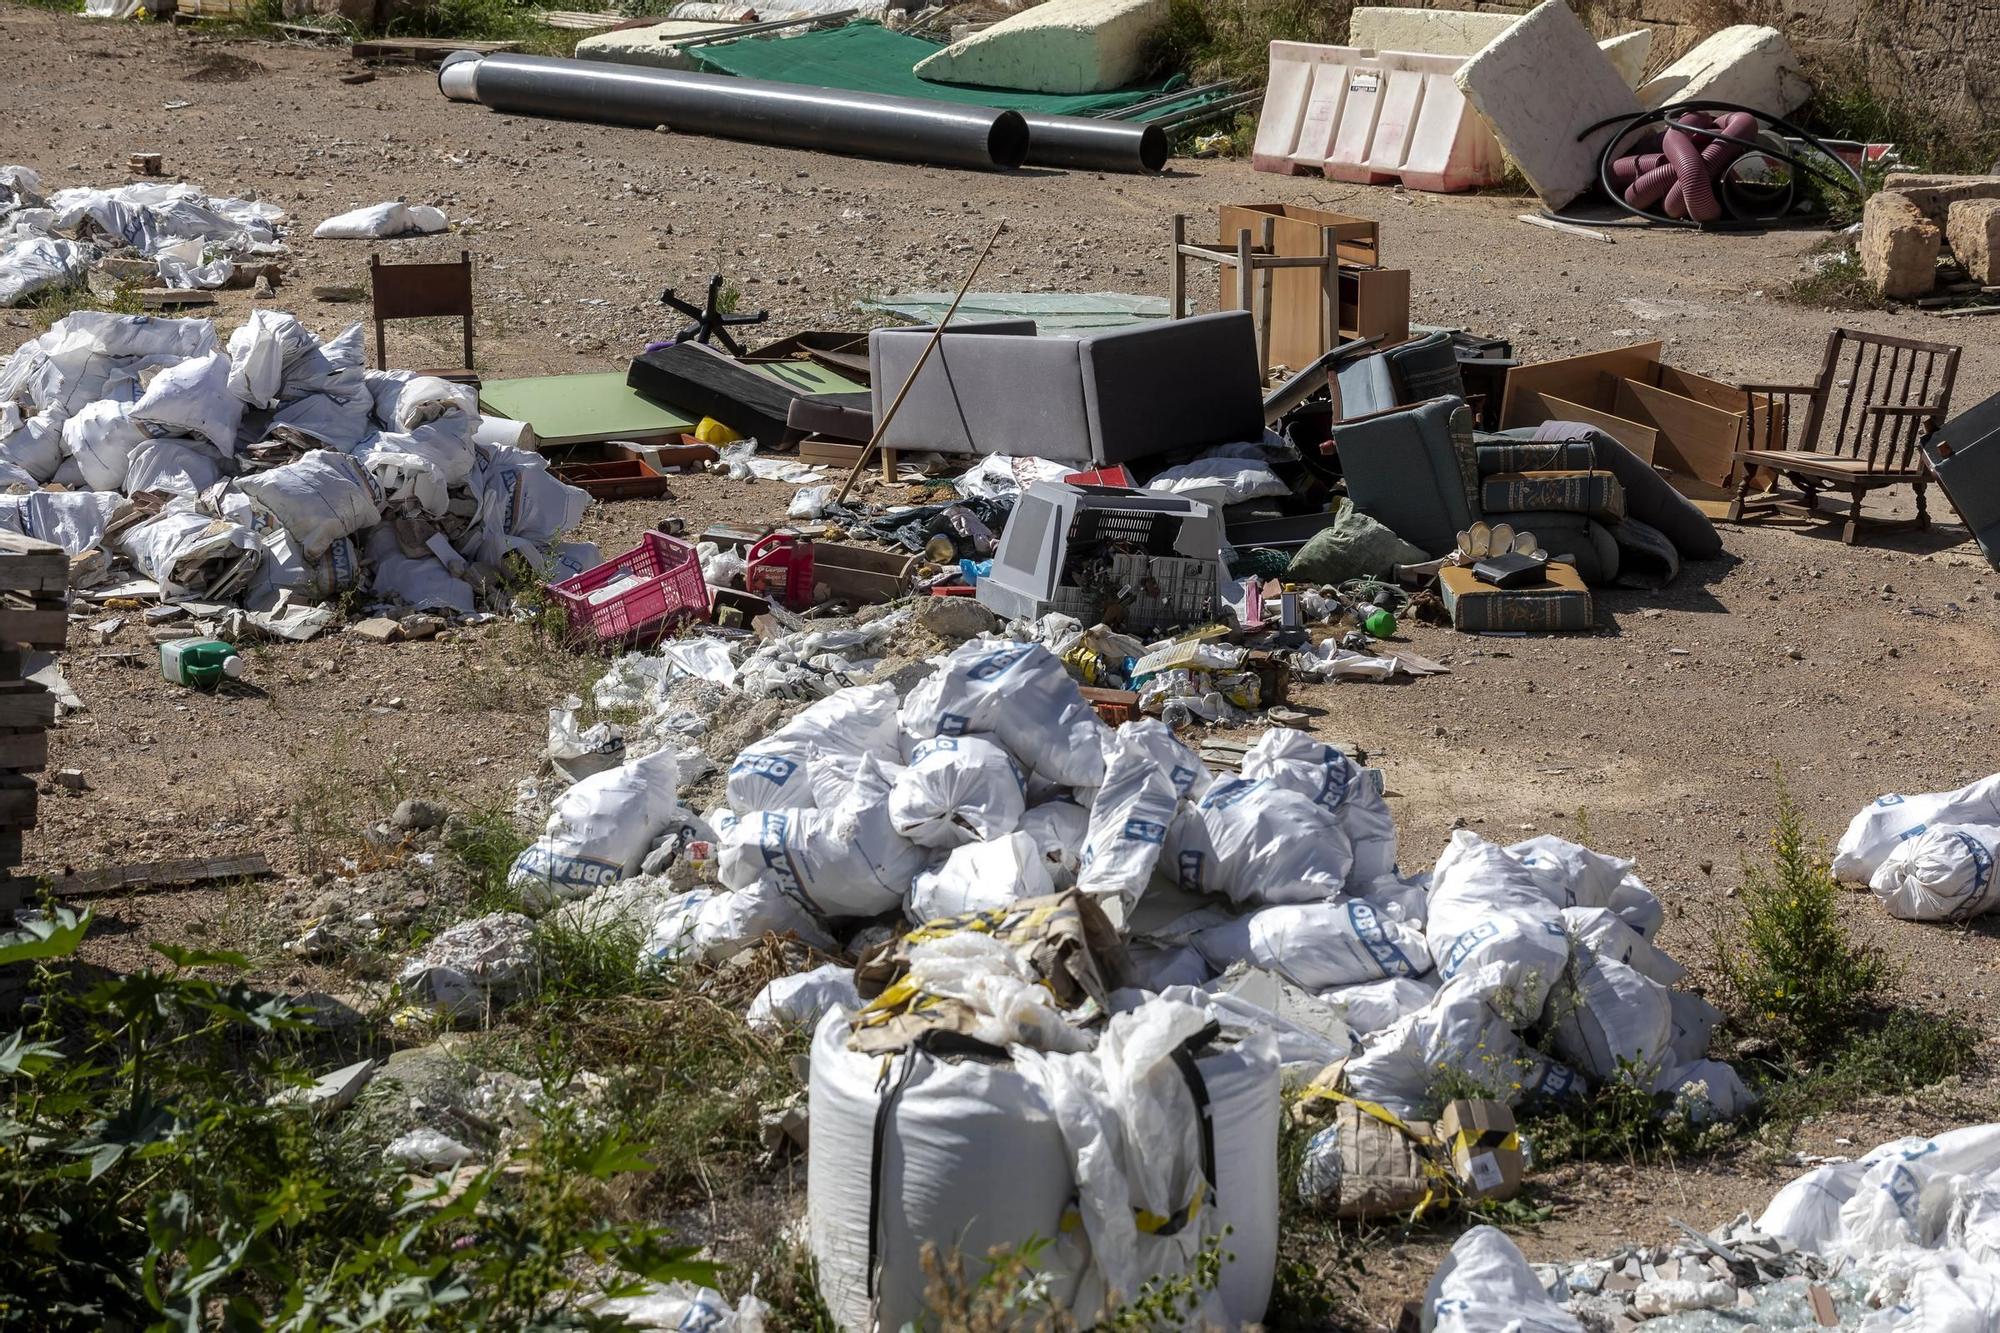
[1538, 85]
[1746, 64]
[1629, 54]
[1061, 46]
[1433, 32]
[653, 45]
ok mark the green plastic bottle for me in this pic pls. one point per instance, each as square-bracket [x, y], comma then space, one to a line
[1379, 623]
[202, 663]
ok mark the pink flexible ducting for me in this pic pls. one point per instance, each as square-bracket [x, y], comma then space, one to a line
[1685, 171]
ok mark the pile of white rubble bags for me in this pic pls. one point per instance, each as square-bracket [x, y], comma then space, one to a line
[1914, 1224]
[274, 471]
[191, 239]
[993, 783]
[1929, 857]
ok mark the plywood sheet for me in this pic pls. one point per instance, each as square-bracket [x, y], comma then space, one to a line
[1535, 408]
[1695, 439]
[580, 409]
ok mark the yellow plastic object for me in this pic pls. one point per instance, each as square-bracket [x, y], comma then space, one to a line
[711, 431]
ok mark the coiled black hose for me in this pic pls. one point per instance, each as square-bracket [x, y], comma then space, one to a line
[1668, 117]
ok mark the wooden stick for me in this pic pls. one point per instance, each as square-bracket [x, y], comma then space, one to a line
[882, 426]
[1567, 228]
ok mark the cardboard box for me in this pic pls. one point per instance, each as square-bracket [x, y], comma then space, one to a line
[1374, 301]
[1687, 425]
[1560, 605]
[1484, 1148]
[1597, 494]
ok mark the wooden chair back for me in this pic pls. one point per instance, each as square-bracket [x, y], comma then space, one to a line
[420, 291]
[1867, 371]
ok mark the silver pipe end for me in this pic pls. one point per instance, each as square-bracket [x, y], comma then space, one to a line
[458, 77]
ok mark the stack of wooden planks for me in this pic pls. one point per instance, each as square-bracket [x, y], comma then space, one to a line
[34, 587]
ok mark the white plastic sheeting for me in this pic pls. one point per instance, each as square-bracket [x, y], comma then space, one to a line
[32, 265]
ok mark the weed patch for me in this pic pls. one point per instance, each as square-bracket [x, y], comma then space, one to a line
[1846, 105]
[1837, 282]
[1231, 39]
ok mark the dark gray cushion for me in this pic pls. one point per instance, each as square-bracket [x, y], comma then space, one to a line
[1173, 385]
[1414, 471]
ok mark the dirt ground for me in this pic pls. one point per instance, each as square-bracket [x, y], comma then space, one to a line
[1855, 671]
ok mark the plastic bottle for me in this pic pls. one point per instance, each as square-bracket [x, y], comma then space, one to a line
[202, 663]
[1378, 622]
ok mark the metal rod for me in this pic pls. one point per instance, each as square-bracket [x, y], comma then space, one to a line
[1201, 115]
[882, 426]
[1166, 99]
[1085, 143]
[825, 119]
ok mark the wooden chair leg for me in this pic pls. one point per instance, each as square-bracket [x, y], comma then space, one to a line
[1742, 491]
[1851, 533]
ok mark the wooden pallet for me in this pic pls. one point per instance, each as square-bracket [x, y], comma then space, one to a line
[34, 613]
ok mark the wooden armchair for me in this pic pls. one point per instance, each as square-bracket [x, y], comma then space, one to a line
[1863, 421]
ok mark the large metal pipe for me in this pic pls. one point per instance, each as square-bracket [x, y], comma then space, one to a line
[827, 119]
[1087, 144]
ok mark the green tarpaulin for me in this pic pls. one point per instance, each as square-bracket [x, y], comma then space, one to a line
[868, 58]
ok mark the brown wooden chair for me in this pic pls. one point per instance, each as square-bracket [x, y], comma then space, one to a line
[1876, 398]
[422, 291]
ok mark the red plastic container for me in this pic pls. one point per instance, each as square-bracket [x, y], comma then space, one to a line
[781, 566]
[670, 591]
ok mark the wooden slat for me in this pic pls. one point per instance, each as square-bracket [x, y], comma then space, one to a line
[17, 801]
[25, 705]
[1695, 439]
[161, 875]
[424, 50]
[24, 751]
[27, 565]
[1533, 408]
[37, 626]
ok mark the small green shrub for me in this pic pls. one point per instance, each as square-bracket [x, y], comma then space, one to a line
[1231, 39]
[1836, 284]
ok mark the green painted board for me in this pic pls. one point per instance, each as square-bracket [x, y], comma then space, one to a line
[807, 377]
[580, 409]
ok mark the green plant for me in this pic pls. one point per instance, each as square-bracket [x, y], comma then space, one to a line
[1846, 104]
[1231, 39]
[598, 960]
[1900, 1054]
[485, 844]
[149, 1178]
[1794, 972]
[55, 303]
[1837, 282]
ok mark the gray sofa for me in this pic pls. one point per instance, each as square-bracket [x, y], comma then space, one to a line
[1093, 399]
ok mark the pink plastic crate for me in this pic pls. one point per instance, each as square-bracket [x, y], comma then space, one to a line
[670, 589]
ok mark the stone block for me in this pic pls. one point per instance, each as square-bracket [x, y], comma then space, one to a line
[1899, 246]
[653, 46]
[1972, 226]
[1061, 46]
[1935, 195]
[1511, 83]
[1746, 64]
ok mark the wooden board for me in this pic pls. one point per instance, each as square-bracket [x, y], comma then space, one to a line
[25, 705]
[27, 565]
[24, 751]
[161, 875]
[1535, 408]
[1711, 500]
[1696, 440]
[835, 452]
[581, 409]
[17, 801]
[1298, 320]
[424, 50]
[1576, 379]
[34, 623]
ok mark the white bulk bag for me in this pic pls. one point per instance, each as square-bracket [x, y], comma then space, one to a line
[1128, 819]
[772, 775]
[1370, 1006]
[187, 553]
[1019, 694]
[1257, 842]
[523, 506]
[972, 1158]
[30, 264]
[1695, 1021]
[847, 861]
[1058, 828]
[73, 520]
[1485, 1286]
[35, 445]
[321, 498]
[193, 398]
[404, 402]
[1874, 833]
[707, 925]
[259, 351]
[800, 1000]
[1613, 1020]
[1319, 945]
[1327, 777]
[1489, 918]
[1183, 766]
[598, 832]
[101, 437]
[1607, 934]
[978, 877]
[376, 222]
[1944, 873]
[1906, 1195]
[1458, 1030]
[958, 789]
[1570, 874]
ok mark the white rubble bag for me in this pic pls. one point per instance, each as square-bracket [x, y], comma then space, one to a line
[175, 466]
[1490, 917]
[29, 265]
[405, 402]
[1020, 695]
[1944, 873]
[978, 877]
[1129, 817]
[714, 925]
[33, 444]
[683, 1306]
[420, 582]
[523, 506]
[1058, 827]
[1572, 875]
[1319, 945]
[1612, 1021]
[1257, 842]
[1706, 1091]
[192, 554]
[598, 832]
[845, 861]
[1695, 1021]
[284, 569]
[260, 350]
[1370, 1006]
[193, 398]
[799, 1001]
[1485, 1286]
[1872, 834]
[321, 498]
[1607, 934]
[101, 437]
[972, 1157]
[1935, 1292]
[771, 774]
[1459, 1030]
[1292, 759]
[380, 222]
[958, 789]
[73, 520]
[1183, 766]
